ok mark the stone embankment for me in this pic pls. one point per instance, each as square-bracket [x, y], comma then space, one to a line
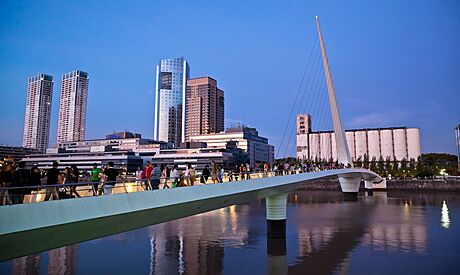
[393, 185]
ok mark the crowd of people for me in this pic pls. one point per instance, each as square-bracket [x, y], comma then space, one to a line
[151, 177]
[22, 181]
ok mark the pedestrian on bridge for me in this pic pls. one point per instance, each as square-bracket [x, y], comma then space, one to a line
[205, 174]
[95, 178]
[147, 173]
[52, 178]
[112, 175]
[155, 177]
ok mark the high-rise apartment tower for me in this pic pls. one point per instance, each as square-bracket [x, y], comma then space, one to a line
[205, 107]
[72, 106]
[170, 100]
[38, 112]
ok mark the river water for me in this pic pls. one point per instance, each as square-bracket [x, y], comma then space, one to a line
[402, 233]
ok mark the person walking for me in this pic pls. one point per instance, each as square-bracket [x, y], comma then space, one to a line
[112, 175]
[186, 173]
[155, 177]
[21, 179]
[75, 179]
[175, 176]
[148, 168]
[52, 178]
[139, 176]
[248, 170]
[95, 178]
[192, 175]
[36, 176]
[214, 172]
[164, 175]
[265, 170]
[220, 173]
[205, 174]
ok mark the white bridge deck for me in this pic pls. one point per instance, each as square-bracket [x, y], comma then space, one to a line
[36, 227]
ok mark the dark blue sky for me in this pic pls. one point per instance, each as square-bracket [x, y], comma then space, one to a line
[394, 63]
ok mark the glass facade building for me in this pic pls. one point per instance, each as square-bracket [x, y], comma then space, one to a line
[170, 100]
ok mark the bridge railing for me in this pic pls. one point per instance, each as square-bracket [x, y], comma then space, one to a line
[38, 193]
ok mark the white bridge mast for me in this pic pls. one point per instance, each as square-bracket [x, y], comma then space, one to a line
[343, 152]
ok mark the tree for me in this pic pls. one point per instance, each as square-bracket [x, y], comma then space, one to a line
[388, 166]
[373, 165]
[381, 167]
[412, 167]
[366, 161]
[359, 162]
[403, 168]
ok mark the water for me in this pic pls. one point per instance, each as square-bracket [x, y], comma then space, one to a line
[383, 234]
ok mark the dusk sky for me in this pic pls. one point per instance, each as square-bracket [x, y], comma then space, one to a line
[394, 63]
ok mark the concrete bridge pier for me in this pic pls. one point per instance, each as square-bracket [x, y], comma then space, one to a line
[369, 185]
[276, 234]
[350, 186]
[276, 216]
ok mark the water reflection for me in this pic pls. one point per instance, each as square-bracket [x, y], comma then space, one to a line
[324, 235]
[445, 221]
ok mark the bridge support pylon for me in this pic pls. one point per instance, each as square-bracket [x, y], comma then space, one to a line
[276, 216]
[350, 186]
[369, 185]
[276, 233]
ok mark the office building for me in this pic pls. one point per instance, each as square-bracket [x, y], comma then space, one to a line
[205, 107]
[15, 153]
[127, 150]
[72, 106]
[38, 112]
[170, 100]
[256, 147]
[396, 143]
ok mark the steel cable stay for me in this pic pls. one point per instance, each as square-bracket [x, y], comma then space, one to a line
[306, 91]
[297, 95]
[314, 80]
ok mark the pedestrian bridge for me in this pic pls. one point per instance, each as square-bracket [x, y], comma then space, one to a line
[31, 228]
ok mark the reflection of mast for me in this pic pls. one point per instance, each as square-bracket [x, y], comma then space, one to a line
[343, 152]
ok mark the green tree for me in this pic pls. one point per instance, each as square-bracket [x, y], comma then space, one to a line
[381, 167]
[373, 165]
[412, 167]
[403, 168]
[388, 166]
[359, 162]
[366, 161]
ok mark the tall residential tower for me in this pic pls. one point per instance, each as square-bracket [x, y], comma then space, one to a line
[170, 100]
[72, 106]
[205, 107]
[38, 112]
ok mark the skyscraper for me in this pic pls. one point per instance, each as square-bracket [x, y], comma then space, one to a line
[38, 112]
[72, 106]
[170, 100]
[205, 107]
